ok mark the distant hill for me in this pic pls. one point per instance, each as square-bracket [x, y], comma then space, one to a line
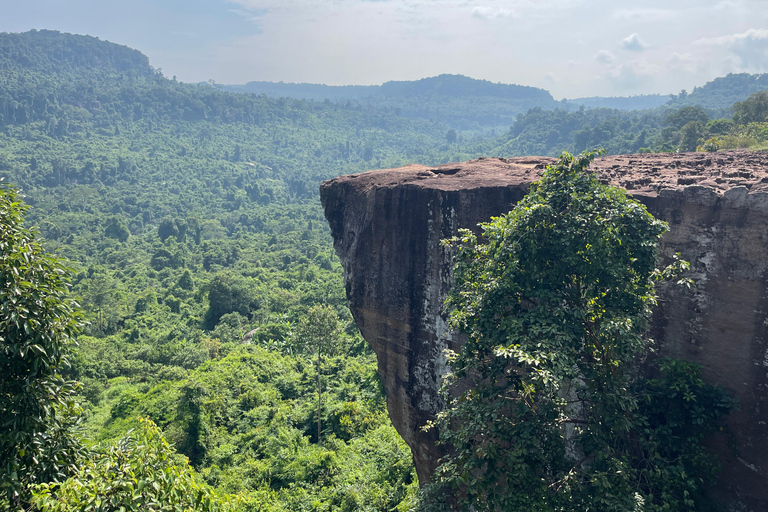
[73, 81]
[481, 106]
[721, 93]
[458, 86]
[47, 52]
[443, 85]
[461, 102]
[74, 87]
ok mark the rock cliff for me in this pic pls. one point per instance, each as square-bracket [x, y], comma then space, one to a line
[387, 226]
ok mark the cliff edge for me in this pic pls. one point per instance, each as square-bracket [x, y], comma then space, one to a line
[387, 226]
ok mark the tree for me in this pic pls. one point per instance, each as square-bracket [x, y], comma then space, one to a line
[167, 229]
[164, 258]
[227, 293]
[691, 135]
[38, 321]
[100, 299]
[116, 228]
[752, 110]
[553, 308]
[685, 115]
[319, 333]
[191, 418]
[185, 282]
[719, 127]
[140, 472]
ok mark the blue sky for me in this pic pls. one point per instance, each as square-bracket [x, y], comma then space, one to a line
[570, 47]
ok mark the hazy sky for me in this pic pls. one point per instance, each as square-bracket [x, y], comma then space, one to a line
[570, 47]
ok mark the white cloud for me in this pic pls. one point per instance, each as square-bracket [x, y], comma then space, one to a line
[633, 43]
[751, 48]
[490, 13]
[605, 57]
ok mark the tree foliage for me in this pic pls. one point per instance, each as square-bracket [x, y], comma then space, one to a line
[752, 110]
[685, 115]
[38, 320]
[140, 472]
[553, 307]
[691, 135]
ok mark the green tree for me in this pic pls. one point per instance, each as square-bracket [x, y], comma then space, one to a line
[719, 127]
[368, 153]
[752, 110]
[191, 418]
[140, 472]
[685, 115]
[116, 228]
[164, 258]
[185, 282]
[691, 135]
[100, 300]
[38, 320]
[193, 226]
[227, 293]
[553, 308]
[319, 333]
[167, 229]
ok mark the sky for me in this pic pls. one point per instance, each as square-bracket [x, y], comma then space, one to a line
[572, 48]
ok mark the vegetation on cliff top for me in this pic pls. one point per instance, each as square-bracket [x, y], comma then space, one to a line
[551, 413]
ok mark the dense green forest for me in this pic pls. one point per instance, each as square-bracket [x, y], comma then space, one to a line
[202, 260]
[213, 302]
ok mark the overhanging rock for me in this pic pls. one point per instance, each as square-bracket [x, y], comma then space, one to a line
[387, 226]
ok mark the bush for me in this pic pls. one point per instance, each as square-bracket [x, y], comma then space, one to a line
[710, 145]
[140, 472]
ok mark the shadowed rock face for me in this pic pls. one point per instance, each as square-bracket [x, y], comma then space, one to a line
[387, 226]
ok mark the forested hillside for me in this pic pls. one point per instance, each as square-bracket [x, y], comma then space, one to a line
[688, 128]
[461, 103]
[722, 92]
[510, 120]
[204, 265]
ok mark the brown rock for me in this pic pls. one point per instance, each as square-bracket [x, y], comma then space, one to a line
[387, 226]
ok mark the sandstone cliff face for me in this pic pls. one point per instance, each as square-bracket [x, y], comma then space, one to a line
[387, 226]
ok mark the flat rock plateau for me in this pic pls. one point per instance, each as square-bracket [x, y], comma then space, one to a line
[387, 226]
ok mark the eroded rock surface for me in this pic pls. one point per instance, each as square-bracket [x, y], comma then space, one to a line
[387, 226]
